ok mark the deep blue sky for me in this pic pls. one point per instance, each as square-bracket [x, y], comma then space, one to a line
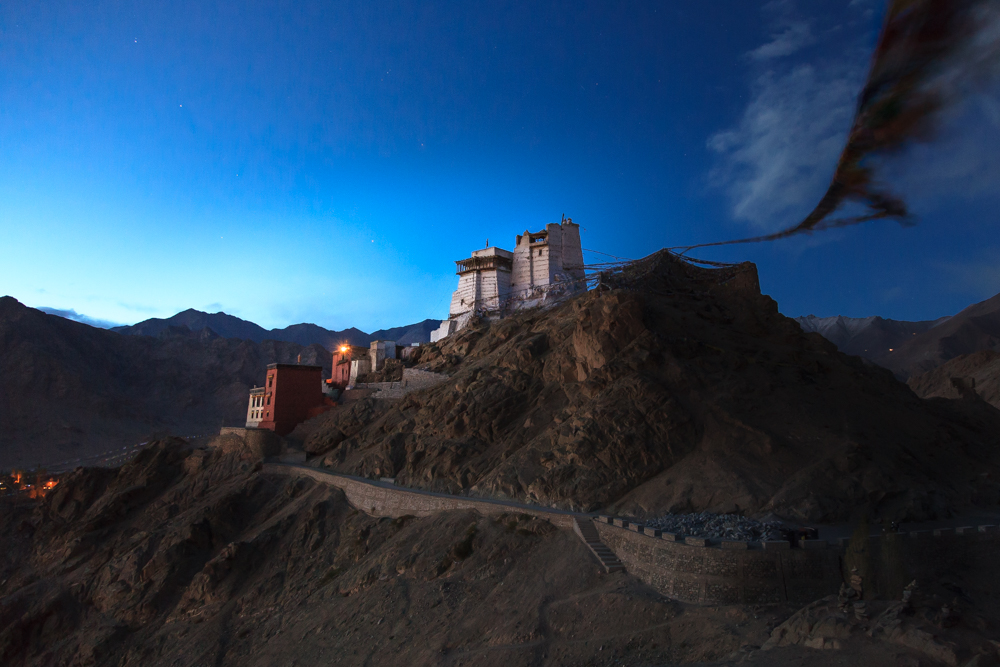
[327, 162]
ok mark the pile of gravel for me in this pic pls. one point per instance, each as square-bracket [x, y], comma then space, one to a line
[718, 526]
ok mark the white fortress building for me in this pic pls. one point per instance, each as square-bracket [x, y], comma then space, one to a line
[544, 266]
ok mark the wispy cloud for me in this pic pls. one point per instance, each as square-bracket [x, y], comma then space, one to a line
[78, 317]
[794, 36]
[777, 161]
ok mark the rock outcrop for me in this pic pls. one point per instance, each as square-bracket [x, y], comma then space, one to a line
[672, 388]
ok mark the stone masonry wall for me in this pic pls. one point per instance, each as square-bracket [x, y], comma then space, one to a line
[694, 570]
[469, 290]
[709, 574]
[385, 499]
[413, 379]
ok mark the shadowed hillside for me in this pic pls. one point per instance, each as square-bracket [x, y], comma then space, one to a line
[193, 557]
[967, 376]
[974, 329]
[70, 390]
[671, 388]
[873, 338]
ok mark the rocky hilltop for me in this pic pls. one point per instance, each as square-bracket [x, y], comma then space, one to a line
[671, 388]
[70, 390]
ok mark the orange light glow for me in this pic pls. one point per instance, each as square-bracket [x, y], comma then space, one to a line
[343, 348]
[38, 490]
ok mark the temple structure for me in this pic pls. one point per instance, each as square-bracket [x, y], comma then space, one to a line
[544, 266]
[343, 357]
[291, 394]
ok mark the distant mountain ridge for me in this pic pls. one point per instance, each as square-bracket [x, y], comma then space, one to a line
[72, 390]
[230, 326]
[872, 338]
[909, 349]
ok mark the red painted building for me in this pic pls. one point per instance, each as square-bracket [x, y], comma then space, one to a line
[342, 357]
[292, 394]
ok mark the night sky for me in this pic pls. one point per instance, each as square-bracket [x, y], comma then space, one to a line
[328, 162]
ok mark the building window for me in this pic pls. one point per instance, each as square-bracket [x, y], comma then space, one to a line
[270, 381]
[269, 399]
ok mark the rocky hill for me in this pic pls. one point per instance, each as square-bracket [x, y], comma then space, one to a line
[671, 388]
[188, 557]
[974, 329]
[968, 376]
[70, 390]
[912, 348]
[229, 326]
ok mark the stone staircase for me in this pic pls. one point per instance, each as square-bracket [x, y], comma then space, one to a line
[585, 530]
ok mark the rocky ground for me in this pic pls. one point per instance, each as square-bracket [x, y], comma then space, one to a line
[675, 389]
[192, 557]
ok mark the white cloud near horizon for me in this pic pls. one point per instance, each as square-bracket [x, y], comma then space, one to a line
[79, 317]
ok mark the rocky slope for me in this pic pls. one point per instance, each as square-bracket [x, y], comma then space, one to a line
[192, 557]
[678, 389]
[70, 390]
[912, 348]
[967, 376]
[974, 329]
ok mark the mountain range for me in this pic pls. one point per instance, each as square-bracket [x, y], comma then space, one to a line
[912, 348]
[71, 390]
[230, 326]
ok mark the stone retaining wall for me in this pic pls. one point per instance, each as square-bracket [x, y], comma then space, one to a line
[386, 499]
[413, 379]
[260, 441]
[708, 573]
[693, 570]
